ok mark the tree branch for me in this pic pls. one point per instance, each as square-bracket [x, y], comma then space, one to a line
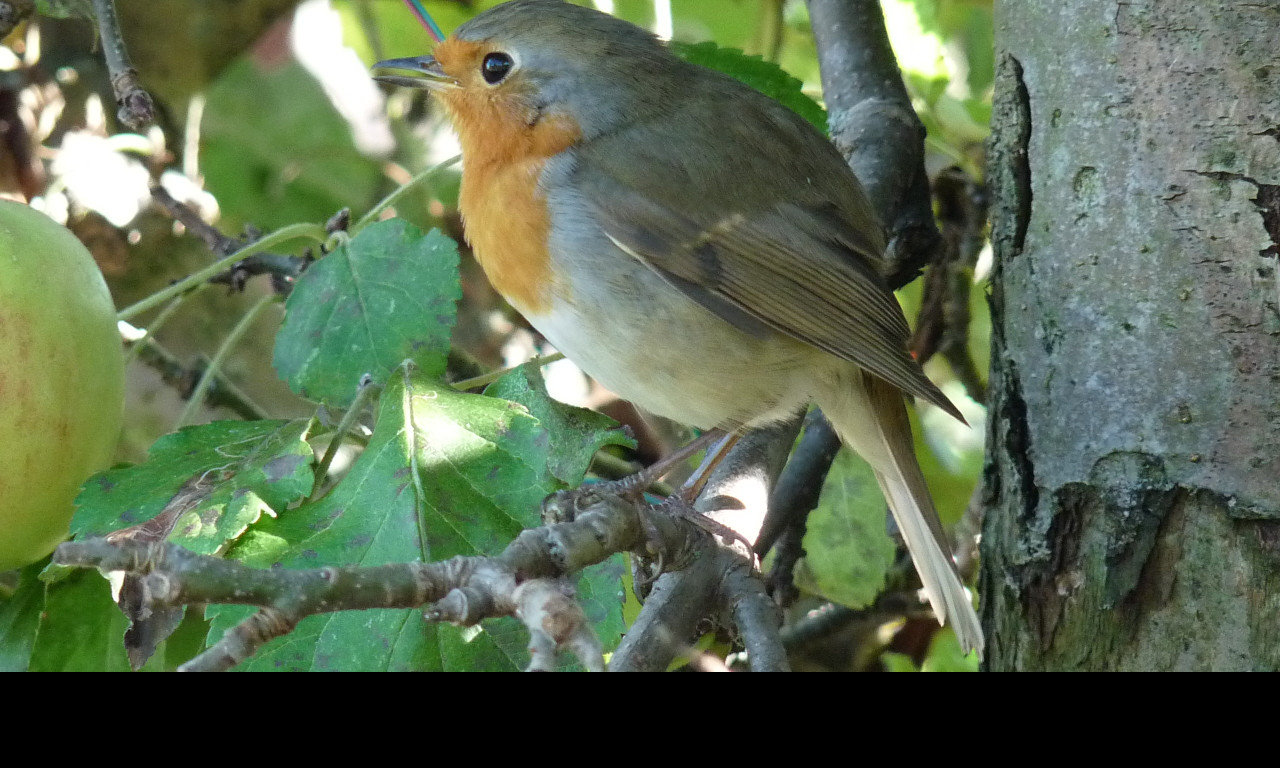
[874, 126]
[718, 578]
[524, 581]
[795, 496]
[137, 110]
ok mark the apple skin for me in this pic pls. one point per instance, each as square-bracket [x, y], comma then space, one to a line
[61, 380]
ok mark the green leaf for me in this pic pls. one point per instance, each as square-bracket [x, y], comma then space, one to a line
[736, 23]
[20, 618]
[898, 662]
[229, 473]
[945, 654]
[970, 27]
[399, 33]
[950, 453]
[81, 630]
[483, 466]
[388, 296]
[66, 9]
[965, 121]
[847, 551]
[765, 76]
[574, 434]
[602, 596]
[187, 641]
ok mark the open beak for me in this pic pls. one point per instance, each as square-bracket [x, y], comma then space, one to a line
[426, 73]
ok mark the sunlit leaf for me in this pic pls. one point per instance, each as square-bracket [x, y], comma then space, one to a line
[223, 475]
[483, 467]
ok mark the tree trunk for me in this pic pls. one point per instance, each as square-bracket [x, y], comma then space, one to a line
[1133, 476]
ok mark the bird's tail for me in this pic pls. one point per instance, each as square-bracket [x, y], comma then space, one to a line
[871, 418]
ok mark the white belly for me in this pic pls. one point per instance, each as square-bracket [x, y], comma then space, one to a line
[672, 357]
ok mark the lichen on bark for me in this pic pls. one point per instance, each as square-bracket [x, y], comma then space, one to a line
[1134, 438]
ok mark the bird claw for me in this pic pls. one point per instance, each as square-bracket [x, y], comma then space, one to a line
[680, 507]
[564, 506]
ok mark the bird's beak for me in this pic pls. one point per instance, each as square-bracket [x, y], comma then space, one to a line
[427, 73]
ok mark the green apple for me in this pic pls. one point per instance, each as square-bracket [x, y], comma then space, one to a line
[61, 380]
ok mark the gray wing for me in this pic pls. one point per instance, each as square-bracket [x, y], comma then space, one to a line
[790, 256]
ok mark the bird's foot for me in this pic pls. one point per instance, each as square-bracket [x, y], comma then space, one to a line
[562, 506]
[681, 506]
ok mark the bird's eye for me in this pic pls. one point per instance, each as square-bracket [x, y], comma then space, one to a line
[495, 67]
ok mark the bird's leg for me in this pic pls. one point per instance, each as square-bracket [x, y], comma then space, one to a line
[636, 484]
[682, 503]
[562, 505]
[715, 454]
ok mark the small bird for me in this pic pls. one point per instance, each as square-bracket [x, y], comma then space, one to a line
[693, 245]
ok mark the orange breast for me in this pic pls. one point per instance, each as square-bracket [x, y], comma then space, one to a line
[504, 149]
[507, 224]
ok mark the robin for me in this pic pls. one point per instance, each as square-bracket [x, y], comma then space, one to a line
[690, 243]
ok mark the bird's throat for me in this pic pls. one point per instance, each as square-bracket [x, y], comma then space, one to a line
[505, 212]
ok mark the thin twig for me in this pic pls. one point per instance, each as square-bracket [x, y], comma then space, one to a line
[795, 496]
[156, 324]
[222, 393]
[137, 110]
[283, 268]
[197, 395]
[363, 390]
[283, 235]
[391, 199]
[486, 379]
[736, 496]
[462, 589]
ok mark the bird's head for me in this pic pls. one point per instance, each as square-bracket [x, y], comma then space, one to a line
[547, 63]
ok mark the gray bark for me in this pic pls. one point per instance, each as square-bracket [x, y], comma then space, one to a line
[1133, 477]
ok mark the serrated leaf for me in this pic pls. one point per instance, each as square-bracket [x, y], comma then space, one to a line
[764, 76]
[227, 472]
[575, 434]
[847, 551]
[482, 470]
[387, 296]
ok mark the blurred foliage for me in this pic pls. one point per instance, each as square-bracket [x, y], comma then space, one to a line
[947, 54]
[66, 8]
[848, 552]
[270, 121]
[274, 167]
